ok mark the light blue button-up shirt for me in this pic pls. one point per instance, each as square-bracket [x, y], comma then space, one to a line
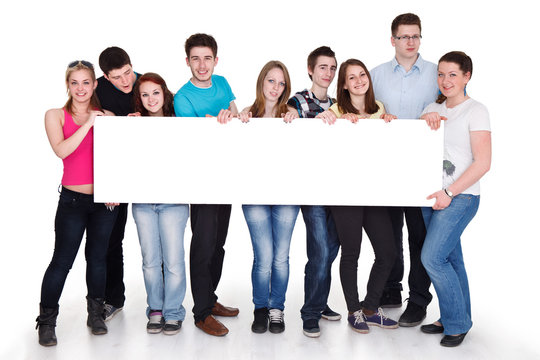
[405, 94]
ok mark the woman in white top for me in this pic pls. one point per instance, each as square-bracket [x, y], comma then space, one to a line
[467, 157]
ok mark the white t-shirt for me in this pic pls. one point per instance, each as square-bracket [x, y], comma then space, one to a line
[468, 116]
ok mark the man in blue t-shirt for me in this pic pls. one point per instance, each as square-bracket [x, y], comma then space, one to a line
[406, 85]
[203, 95]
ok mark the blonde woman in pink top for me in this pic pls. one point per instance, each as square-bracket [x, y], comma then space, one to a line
[70, 133]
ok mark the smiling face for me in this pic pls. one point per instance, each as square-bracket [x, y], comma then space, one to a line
[452, 80]
[123, 78]
[81, 85]
[407, 48]
[201, 61]
[356, 80]
[152, 98]
[323, 72]
[274, 84]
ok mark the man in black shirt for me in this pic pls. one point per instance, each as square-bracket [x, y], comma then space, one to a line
[115, 93]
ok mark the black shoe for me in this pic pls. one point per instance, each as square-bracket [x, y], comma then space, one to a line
[311, 328]
[46, 322]
[451, 341]
[172, 327]
[277, 324]
[96, 319]
[432, 329]
[391, 299]
[413, 315]
[260, 321]
[330, 314]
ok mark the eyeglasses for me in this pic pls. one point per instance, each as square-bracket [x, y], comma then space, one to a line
[84, 62]
[407, 37]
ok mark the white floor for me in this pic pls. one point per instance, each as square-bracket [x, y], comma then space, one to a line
[493, 336]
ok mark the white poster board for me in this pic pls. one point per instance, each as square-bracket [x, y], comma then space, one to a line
[197, 160]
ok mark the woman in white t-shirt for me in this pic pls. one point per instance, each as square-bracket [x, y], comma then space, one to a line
[467, 157]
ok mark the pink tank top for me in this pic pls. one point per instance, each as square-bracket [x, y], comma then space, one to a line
[79, 165]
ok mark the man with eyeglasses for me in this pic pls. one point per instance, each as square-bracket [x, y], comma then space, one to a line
[406, 85]
[115, 93]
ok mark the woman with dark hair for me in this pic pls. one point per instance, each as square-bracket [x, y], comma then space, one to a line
[270, 226]
[467, 157]
[161, 229]
[70, 133]
[355, 96]
[355, 100]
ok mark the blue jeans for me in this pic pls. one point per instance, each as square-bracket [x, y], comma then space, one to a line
[77, 213]
[322, 247]
[443, 260]
[271, 228]
[161, 235]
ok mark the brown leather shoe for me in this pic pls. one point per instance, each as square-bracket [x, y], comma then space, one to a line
[220, 310]
[212, 326]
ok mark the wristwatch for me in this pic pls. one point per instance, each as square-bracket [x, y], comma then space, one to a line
[449, 193]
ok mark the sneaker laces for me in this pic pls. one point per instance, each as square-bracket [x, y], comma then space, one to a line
[275, 315]
[382, 315]
[172, 322]
[358, 317]
[155, 317]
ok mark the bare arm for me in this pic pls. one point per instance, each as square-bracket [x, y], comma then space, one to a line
[54, 121]
[481, 149]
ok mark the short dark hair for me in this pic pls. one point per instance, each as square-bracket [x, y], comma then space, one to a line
[201, 40]
[405, 19]
[314, 55]
[113, 58]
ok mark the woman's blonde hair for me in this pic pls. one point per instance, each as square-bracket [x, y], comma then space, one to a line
[258, 107]
[76, 66]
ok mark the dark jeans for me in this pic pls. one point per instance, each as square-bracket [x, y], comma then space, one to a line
[322, 247]
[76, 213]
[209, 225]
[419, 281]
[376, 222]
[115, 289]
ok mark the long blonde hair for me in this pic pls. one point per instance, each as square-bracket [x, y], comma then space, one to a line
[75, 66]
[258, 107]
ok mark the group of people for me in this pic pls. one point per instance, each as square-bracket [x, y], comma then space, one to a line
[407, 87]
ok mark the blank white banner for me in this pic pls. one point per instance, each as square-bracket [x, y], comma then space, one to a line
[197, 160]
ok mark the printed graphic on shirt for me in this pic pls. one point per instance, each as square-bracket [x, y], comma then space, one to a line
[448, 168]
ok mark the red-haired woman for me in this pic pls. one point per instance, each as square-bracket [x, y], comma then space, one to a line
[161, 229]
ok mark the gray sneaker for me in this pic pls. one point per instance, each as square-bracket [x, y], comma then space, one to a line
[109, 311]
[155, 322]
[172, 327]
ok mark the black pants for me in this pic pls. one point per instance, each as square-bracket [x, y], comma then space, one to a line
[349, 222]
[115, 289]
[419, 281]
[209, 225]
[76, 214]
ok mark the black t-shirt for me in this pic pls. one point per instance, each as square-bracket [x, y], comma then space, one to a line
[113, 99]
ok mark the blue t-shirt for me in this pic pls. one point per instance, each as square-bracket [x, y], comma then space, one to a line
[192, 101]
[405, 94]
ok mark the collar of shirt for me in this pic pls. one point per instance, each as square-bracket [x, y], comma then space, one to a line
[418, 65]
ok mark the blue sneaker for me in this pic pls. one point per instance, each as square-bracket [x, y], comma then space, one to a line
[109, 311]
[381, 320]
[357, 322]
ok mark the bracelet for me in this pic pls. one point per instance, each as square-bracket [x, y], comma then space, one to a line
[449, 193]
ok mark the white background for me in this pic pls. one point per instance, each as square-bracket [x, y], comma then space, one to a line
[39, 39]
